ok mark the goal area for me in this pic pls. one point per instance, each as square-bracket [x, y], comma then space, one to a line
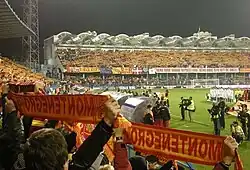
[204, 83]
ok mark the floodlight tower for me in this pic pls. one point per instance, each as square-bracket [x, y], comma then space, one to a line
[31, 43]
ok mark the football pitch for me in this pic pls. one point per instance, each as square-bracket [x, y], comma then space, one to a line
[202, 122]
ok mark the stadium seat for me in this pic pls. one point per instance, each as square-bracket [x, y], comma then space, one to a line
[86, 58]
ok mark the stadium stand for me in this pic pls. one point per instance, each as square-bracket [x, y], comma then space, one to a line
[199, 50]
[79, 57]
[10, 71]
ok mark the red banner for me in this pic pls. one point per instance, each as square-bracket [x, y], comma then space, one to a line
[126, 70]
[177, 144]
[85, 108]
[244, 70]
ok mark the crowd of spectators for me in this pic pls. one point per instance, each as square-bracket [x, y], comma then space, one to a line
[87, 58]
[149, 80]
[11, 71]
[110, 80]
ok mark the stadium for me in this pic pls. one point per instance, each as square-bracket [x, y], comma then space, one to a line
[122, 65]
[199, 60]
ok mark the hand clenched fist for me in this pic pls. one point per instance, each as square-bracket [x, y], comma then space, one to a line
[112, 108]
[232, 144]
[5, 88]
[9, 106]
[229, 150]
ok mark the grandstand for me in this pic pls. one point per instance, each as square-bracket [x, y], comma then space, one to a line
[116, 58]
[10, 71]
[174, 60]
[200, 49]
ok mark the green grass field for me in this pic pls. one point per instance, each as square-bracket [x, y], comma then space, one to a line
[201, 115]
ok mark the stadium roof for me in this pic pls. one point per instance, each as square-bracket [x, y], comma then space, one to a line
[11, 25]
[200, 40]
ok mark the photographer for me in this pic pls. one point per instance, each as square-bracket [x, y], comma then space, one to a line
[165, 99]
[237, 132]
[158, 121]
[165, 114]
[182, 107]
[215, 117]
[222, 106]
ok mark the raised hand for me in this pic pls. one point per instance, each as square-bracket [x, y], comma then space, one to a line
[5, 88]
[9, 106]
[232, 144]
[112, 108]
[229, 150]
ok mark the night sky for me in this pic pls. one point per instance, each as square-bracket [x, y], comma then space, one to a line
[165, 17]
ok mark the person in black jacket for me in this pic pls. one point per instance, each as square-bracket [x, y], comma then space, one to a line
[148, 118]
[248, 126]
[222, 105]
[182, 106]
[242, 116]
[47, 148]
[165, 114]
[158, 121]
[5, 89]
[11, 136]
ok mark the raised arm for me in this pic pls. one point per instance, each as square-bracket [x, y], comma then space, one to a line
[93, 145]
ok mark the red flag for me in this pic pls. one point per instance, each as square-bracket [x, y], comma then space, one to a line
[238, 163]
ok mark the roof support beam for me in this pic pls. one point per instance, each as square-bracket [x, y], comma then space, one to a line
[10, 24]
